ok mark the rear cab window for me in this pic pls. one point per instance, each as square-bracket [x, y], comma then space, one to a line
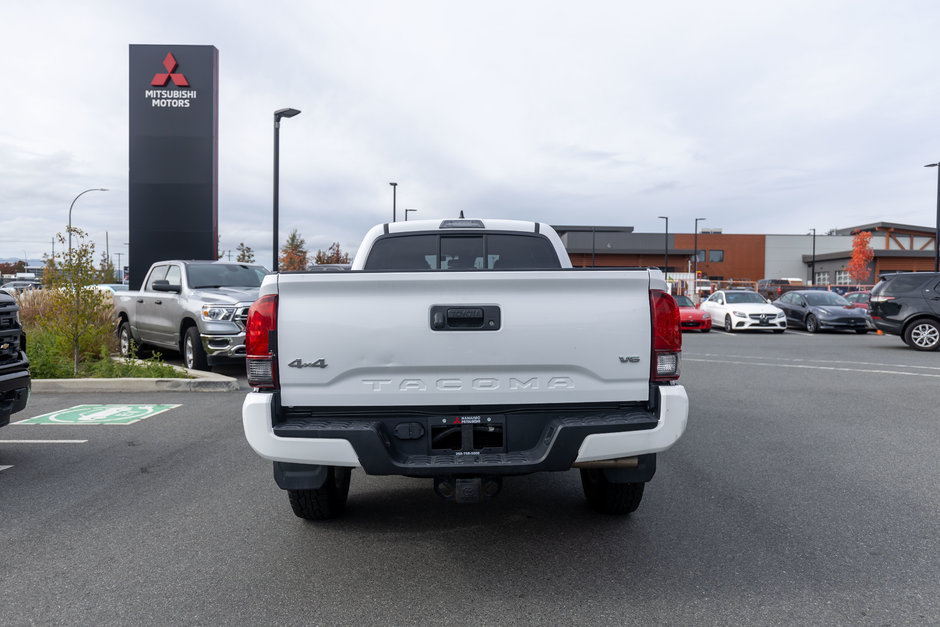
[462, 251]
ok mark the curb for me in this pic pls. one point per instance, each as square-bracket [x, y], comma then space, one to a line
[201, 382]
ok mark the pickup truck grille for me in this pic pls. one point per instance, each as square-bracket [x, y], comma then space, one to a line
[9, 336]
[241, 317]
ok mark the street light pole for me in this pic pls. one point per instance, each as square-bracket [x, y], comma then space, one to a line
[280, 113]
[394, 192]
[695, 262]
[666, 248]
[812, 267]
[406, 213]
[93, 189]
[936, 234]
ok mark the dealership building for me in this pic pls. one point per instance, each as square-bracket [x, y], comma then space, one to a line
[821, 259]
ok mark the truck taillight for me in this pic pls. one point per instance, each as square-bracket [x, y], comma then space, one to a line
[261, 360]
[667, 336]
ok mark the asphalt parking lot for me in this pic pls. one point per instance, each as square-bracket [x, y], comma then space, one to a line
[803, 492]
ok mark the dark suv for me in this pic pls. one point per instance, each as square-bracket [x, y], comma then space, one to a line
[908, 304]
[14, 366]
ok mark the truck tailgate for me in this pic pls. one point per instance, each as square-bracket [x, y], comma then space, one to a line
[365, 339]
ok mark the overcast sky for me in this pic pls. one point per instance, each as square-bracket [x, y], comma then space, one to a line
[761, 117]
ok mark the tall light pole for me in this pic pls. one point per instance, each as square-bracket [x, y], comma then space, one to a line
[406, 213]
[394, 192]
[695, 262]
[93, 189]
[812, 267]
[936, 234]
[280, 113]
[666, 248]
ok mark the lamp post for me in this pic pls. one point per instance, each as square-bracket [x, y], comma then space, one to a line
[666, 247]
[280, 113]
[812, 266]
[936, 234]
[695, 262]
[93, 189]
[394, 191]
[406, 213]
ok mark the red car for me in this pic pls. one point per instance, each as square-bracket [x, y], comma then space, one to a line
[691, 318]
[858, 299]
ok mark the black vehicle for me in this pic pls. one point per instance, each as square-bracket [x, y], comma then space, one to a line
[14, 366]
[817, 309]
[908, 304]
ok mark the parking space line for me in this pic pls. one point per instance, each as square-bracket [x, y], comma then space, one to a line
[809, 367]
[43, 441]
[818, 361]
[2, 468]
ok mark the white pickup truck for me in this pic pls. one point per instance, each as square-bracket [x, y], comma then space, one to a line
[463, 351]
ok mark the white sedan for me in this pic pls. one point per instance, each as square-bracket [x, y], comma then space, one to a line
[737, 310]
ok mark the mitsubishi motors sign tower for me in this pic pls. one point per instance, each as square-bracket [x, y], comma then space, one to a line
[173, 166]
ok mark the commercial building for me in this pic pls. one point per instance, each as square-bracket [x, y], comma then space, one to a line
[815, 258]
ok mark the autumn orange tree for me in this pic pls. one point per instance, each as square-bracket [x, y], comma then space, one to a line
[334, 254]
[293, 253]
[862, 254]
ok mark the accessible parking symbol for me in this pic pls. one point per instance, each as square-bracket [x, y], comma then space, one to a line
[98, 415]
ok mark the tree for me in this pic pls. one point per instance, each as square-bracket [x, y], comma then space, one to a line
[79, 316]
[106, 273]
[862, 254]
[245, 253]
[334, 255]
[293, 254]
[12, 268]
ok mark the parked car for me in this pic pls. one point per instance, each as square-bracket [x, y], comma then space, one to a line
[690, 317]
[908, 304]
[13, 287]
[740, 310]
[772, 289]
[814, 310]
[858, 300]
[14, 365]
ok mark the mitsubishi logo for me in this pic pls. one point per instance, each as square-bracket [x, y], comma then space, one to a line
[160, 79]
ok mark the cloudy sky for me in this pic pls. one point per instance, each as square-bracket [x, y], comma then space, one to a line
[761, 117]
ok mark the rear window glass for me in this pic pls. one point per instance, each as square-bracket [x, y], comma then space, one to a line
[490, 251]
[903, 283]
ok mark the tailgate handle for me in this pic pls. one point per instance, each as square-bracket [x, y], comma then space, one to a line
[465, 317]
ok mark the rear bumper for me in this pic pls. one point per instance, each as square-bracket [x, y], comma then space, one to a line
[378, 446]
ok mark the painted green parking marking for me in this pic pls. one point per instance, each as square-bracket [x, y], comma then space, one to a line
[98, 415]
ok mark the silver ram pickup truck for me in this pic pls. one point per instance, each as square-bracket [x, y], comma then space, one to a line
[198, 308]
[463, 352]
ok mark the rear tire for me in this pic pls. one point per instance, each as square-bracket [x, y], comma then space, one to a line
[326, 502]
[606, 497]
[923, 335]
[125, 339]
[194, 355]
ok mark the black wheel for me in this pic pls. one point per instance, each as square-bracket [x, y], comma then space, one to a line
[194, 355]
[729, 328]
[606, 497]
[923, 335]
[125, 339]
[326, 502]
[812, 325]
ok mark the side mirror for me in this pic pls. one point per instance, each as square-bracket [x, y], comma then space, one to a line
[162, 285]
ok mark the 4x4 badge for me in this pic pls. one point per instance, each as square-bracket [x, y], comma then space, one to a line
[299, 363]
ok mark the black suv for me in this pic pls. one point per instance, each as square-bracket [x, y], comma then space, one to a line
[908, 304]
[14, 366]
